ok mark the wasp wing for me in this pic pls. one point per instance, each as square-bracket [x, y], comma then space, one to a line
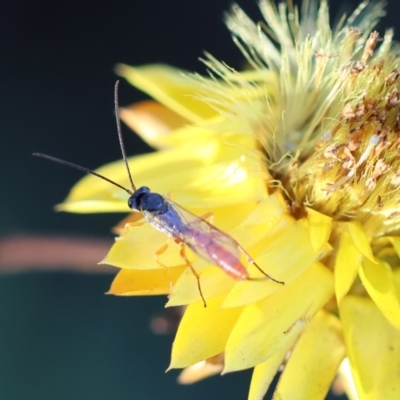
[199, 235]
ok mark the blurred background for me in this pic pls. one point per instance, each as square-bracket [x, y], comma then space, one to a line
[60, 336]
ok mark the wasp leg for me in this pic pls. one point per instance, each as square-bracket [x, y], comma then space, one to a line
[251, 261]
[157, 254]
[208, 216]
[189, 264]
[128, 225]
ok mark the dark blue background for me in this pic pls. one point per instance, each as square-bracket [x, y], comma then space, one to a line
[60, 337]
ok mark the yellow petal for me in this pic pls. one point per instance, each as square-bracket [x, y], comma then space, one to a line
[360, 239]
[396, 244]
[87, 206]
[195, 133]
[373, 347]
[196, 175]
[286, 255]
[168, 86]
[315, 360]
[201, 370]
[136, 249]
[213, 282]
[249, 291]
[266, 326]
[264, 373]
[151, 121]
[319, 228]
[202, 332]
[140, 283]
[379, 281]
[266, 219]
[347, 263]
[396, 275]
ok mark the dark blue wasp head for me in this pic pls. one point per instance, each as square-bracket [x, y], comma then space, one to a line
[144, 200]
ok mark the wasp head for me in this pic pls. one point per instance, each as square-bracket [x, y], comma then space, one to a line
[144, 200]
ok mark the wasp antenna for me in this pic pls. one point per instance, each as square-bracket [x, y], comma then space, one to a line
[119, 130]
[83, 169]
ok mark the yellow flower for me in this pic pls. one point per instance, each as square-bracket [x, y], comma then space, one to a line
[298, 159]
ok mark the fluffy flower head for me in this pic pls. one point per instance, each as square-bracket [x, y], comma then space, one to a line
[298, 159]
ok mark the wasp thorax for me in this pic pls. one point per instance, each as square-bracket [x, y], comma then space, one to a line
[144, 200]
[153, 203]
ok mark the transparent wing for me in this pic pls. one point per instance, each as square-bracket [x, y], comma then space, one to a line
[197, 233]
[204, 239]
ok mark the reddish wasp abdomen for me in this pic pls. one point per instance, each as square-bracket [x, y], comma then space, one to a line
[220, 249]
[230, 264]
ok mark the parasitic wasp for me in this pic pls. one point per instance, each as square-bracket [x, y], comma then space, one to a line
[185, 228]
